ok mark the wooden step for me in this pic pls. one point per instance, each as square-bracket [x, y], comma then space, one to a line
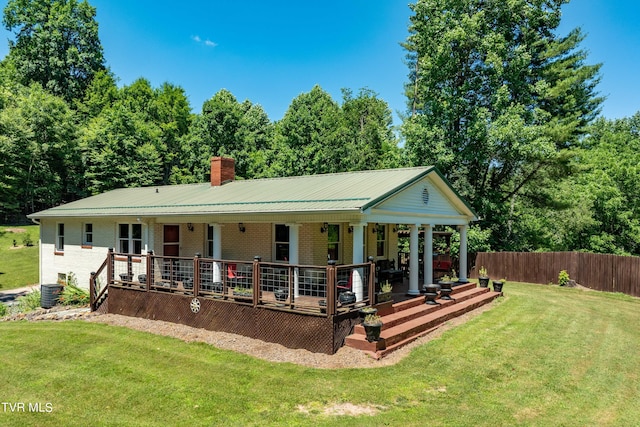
[417, 311]
[414, 321]
[419, 300]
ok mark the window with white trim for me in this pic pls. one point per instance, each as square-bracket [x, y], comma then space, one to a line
[130, 238]
[381, 241]
[209, 241]
[281, 242]
[334, 250]
[87, 234]
[60, 237]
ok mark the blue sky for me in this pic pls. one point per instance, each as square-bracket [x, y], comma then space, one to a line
[271, 51]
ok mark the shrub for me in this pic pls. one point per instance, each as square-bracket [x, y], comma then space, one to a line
[563, 278]
[73, 295]
[29, 302]
[3, 310]
[27, 240]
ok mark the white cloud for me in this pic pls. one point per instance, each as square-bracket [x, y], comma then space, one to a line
[206, 42]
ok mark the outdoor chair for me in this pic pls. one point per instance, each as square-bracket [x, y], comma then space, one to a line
[234, 278]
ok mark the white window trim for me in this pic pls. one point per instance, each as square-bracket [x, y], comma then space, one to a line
[339, 242]
[275, 243]
[85, 233]
[385, 240]
[59, 248]
[129, 237]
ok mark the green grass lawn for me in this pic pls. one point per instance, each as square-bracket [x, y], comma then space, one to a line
[542, 356]
[19, 264]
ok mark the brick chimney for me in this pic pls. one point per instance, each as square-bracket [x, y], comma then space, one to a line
[223, 170]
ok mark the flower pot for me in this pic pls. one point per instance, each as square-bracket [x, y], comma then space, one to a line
[281, 294]
[431, 293]
[383, 297]
[242, 295]
[373, 331]
[497, 285]
[483, 282]
[347, 297]
[445, 289]
[364, 311]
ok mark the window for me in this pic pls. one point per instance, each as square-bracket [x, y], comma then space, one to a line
[282, 242]
[87, 235]
[130, 238]
[210, 241]
[60, 238]
[381, 241]
[334, 251]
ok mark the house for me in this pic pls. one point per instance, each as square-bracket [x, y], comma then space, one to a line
[163, 252]
[346, 217]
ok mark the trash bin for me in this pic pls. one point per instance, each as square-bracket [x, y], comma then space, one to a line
[49, 295]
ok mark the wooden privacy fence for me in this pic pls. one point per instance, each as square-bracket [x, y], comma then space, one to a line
[609, 273]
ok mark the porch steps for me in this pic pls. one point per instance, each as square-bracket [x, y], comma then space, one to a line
[413, 319]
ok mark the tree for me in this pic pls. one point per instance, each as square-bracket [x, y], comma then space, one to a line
[494, 97]
[136, 139]
[229, 128]
[56, 44]
[309, 135]
[370, 141]
[40, 161]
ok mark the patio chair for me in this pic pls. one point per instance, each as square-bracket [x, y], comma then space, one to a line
[235, 279]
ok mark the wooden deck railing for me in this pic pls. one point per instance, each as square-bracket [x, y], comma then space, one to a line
[326, 289]
[98, 285]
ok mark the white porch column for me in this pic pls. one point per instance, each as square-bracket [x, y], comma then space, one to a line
[428, 254]
[294, 247]
[217, 252]
[462, 275]
[414, 261]
[358, 258]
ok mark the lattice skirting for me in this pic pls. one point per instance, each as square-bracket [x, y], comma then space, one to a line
[293, 330]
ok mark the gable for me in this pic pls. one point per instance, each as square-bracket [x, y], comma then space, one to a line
[428, 196]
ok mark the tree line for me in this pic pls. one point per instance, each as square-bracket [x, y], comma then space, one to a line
[501, 104]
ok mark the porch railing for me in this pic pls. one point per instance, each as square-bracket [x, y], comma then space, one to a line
[327, 290]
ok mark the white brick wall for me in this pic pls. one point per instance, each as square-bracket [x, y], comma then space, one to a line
[81, 261]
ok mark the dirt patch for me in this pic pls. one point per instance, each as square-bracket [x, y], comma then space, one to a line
[340, 409]
[16, 247]
[15, 230]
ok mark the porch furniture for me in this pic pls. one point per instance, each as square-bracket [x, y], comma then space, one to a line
[386, 271]
[234, 278]
[441, 266]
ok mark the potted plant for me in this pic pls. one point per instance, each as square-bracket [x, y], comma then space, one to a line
[281, 294]
[483, 277]
[242, 293]
[385, 292]
[347, 297]
[365, 311]
[446, 287]
[372, 326]
[497, 285]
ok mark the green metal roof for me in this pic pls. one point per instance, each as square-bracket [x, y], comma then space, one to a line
[349, 191]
